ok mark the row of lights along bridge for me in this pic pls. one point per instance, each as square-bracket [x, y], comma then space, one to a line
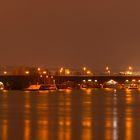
[67, 72]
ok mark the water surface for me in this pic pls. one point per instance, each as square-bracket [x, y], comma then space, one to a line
[70, 115]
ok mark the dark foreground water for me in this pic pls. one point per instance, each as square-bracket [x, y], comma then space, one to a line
[70, 115]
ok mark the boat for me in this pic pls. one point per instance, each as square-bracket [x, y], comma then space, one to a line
[48, 87]
[62, 86]
[33, 88]
[83, 86]
[133, 86]
[41, 87]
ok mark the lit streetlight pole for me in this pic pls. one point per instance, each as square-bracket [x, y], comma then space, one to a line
[108, 71]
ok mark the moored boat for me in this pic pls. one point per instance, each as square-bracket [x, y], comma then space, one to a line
[48, 87]
[41, 87]
[133, 86]
[33, 88]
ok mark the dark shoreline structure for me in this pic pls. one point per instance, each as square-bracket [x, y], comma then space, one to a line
[14, 82]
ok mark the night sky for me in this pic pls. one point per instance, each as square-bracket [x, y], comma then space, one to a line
[70, 33]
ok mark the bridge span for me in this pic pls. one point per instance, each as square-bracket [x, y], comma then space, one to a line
[101, 79]
[18, 82]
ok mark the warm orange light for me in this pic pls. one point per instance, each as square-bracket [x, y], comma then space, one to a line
[128, 72]
[84, 68]
[5, 72]
[44, 72]
[130, 68]
[61, 70]
[88, 72]
[27, 72]
[133, 80]
[89, 80]
[107, 68]
[68, 72]
[108, 71]
[38, 69]
[96, 81]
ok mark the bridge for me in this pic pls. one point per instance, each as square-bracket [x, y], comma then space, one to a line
[100, 78]
[18, 82]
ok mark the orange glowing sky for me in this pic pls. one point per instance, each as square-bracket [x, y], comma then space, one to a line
[70, 33]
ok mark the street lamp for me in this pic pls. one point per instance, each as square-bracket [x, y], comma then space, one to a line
[67, 72]
[130, 71]
[130, 68]
[61, 70]
[84, 70]
[5, 72]
[107, 70]
[38, 69]
[27, 72]
[88, 72]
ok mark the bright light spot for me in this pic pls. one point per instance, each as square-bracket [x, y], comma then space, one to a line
[88, 72]
[107, 68]
[38, 69]
[133, 80]
[112, 82]
[44, 72]
[128, 72]
[84, 68]
[84, 80]
[27, 72]
[89, 80]
[1, 83]
[130, 68]
[61, 70]
[1, 86]
[68, 72]
[5, 72]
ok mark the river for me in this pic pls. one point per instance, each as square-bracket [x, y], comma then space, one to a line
[99, 114]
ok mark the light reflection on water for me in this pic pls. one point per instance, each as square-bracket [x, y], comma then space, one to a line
[64, 119]
[70, 115]
[87, 116]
